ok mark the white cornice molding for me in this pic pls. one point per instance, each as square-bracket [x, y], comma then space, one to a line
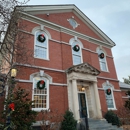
[115, 90]
[54, 26]
[107, 78]
[68, 8]
[39, 67]
[29, 81]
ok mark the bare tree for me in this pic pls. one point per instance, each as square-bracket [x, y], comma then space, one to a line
[13, 47]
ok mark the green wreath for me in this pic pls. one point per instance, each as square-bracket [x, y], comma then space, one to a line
[41, 38]
[76, 48]
[101, 55]
[108, 91]
[41, 84]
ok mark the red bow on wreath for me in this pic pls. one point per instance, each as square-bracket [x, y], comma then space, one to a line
[109, 90]
[42, 82]
[42, 35]
[11, 106]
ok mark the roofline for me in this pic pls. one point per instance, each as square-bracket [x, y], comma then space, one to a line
[28, 8]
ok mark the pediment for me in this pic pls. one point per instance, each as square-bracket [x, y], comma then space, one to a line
[83, 68]
[51, 9]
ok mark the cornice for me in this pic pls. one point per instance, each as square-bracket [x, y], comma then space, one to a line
[42, 9]
[54, 26]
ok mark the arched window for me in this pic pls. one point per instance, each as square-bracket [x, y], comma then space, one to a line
[76, 46]
[40, 93]
[108, 89]
[41, 45]
[102, 59]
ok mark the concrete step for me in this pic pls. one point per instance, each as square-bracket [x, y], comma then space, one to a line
[96, 124]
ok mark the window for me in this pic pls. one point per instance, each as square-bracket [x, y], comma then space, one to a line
[109, 96]
[73, 23]
[41, 48]
[40, 96]
[77, 59]
[102, 60]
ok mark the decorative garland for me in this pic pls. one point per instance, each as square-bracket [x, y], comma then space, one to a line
[11, 106]
[41, 38]
[76, 48]
[101, 55]
[41, 84]
[108, 91]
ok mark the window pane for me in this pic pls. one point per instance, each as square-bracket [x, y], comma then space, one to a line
[76, 59]
[103, 66]
[44, 44]
[39, 95]
[109, 98]
[110, 103]
[40, 52]
[40, 101]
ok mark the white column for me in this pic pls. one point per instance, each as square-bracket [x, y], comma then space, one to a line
[97, 101]
[75, 99]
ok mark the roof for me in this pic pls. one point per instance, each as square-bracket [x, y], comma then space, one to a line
[33, 9]
[83, 68]
[124, 85]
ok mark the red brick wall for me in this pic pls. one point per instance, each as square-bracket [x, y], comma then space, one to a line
[60, 57]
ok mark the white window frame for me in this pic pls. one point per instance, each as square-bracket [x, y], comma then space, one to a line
[47, 100]
[35, 44]
[99, 51]
[110, 86]
[72, 40]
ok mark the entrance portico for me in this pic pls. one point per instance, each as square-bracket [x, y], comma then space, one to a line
[90, 96]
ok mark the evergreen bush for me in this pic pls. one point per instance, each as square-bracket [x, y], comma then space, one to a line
[68, 123]
[111, 117]
[23, 116]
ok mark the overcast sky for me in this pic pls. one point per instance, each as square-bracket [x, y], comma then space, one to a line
[113, 18]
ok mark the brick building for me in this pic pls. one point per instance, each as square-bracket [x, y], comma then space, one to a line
[72, 58]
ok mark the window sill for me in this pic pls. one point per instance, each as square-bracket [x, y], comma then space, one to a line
[39, 109]
[112, 109]
[41, 58]
[105, 71]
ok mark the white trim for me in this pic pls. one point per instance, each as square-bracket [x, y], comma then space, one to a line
[98, 49]
[24, 81]
[38, 28]
[58, 84]
[76, 11]
[47, 100]
[75, 39]
[125, 97]
[107, 83]
[115, 90]
[71, 41]
[47, 42]
[65, 30]
[57, 70]
[107, 78]
[29, 81]
[39, 67]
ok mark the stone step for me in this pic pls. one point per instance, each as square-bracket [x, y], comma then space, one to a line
[102, 124]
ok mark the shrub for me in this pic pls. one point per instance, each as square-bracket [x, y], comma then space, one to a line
[111, 117]
[68, 123]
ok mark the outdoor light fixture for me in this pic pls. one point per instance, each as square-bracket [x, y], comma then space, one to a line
[83, 88]
[13, 73]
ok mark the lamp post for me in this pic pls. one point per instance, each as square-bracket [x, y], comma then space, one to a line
[10, 103]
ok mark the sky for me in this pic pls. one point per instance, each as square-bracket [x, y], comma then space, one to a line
[113, 18]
